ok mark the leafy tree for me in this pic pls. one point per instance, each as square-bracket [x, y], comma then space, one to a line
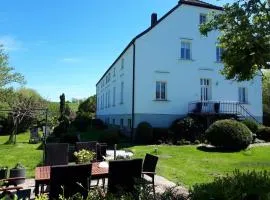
[62, 105]
[245, 37]
[7, 76]
[88, 106]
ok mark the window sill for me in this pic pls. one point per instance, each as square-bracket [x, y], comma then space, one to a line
[161, 100]
[185, 60]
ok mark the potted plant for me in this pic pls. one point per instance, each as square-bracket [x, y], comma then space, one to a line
[3, 172]
[17, 171]
[217, 107]
[84, 156]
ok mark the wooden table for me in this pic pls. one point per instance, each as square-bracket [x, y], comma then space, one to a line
[42, 175]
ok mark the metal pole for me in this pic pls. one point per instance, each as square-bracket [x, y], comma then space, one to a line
[44, 134]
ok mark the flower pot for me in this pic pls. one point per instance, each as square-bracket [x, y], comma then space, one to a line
[3, 173]
[216, 107]
[13, 173]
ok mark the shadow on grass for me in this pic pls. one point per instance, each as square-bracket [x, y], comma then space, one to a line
[217, 149]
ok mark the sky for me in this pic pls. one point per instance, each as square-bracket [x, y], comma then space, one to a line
[65, 46]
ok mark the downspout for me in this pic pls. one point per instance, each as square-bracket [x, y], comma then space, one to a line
[133, 92]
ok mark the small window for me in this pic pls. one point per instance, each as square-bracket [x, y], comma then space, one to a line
[113, 121]
[219, 52]
[242, 95]
[122, 63]
[121, 123]
[129, 123]
[161, 93]
[186, 50]
[114, 92]
[122, 93]
[109, 99]
[202, 18]
[113, 71]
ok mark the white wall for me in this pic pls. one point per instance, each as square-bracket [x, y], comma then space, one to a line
[159, 50]
[124, 75]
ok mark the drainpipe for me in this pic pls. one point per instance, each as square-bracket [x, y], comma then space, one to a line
[133, 92]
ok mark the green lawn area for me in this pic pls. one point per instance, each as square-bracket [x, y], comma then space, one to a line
[23, 152]
[187, 165]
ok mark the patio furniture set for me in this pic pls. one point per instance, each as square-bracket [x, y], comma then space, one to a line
[67, 178]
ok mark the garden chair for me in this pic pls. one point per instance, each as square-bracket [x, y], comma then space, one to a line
[149, 168]
[56, 154]
[69, 180]
[9, 185]
[91, 146]
[123, 175]
[101, 151]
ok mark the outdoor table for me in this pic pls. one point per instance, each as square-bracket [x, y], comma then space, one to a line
[42, 175]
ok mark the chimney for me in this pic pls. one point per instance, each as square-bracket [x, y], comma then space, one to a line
[153, 19]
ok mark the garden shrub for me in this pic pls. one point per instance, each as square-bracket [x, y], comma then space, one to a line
[188, 129]
[249, 185]
[160, 134]
[251, 124]
[62, 128]
[69, 138]
[144, 133]
[98, 124]
[229, 134]
[263, 133]
[82, 121]
[110, 136]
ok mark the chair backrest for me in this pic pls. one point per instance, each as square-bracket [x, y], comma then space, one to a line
[149, 163]
[101, 151]
[56, 154]
[123, 175]
[69, 180]
[91, 145]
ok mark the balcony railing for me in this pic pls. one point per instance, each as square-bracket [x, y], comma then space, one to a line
[220, 107]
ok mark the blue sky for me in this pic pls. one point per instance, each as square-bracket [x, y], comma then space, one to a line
[65, 46]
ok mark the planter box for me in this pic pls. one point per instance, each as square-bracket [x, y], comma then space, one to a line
[3, 173]
[17, 173]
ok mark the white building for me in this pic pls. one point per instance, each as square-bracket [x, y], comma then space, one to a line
[167, 68]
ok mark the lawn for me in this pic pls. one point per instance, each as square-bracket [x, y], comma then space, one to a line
[22, 152]
[187, 165]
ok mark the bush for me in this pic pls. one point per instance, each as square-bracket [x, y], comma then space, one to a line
[240, 186]
[62, 128]
[251, 124]
[69, 138]
[160, 134]
[144, 133]
[263, 133]
[82, 121]
[110, 136]
[188, 129]
[98, 124]
[229, 134]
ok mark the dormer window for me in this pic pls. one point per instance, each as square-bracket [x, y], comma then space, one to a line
[202, 18]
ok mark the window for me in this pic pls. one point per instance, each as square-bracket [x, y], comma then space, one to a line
[122, 93]
[219, 52]
[186, 50]
[106, 100]
[122, 63]
[129, 123]
[161, 90]
[242, 95]
[202, 18]
[113, 71]
[206, 89]
[109, 99]
[121, 123]
[114, 91]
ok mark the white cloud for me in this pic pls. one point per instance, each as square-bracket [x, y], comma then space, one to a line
[10, 43]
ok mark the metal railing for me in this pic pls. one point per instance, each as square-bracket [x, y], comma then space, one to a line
[220, 107]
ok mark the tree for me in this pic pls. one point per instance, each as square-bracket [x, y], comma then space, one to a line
[7, 76]
[62, 106]
[88, 106]
[245, 37]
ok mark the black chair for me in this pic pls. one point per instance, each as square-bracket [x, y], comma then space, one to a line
[149, 168]
[101, 151]
[123, 175]
[56, 154]
[91, 146]
[69, 180]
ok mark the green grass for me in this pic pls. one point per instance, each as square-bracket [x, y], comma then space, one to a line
[187, 165]
[22, 152]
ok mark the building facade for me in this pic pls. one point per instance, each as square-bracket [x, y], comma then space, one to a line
[166, 70]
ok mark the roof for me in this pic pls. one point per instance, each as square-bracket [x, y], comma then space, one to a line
[197, 3]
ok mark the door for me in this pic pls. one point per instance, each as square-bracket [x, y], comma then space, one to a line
[206, 94]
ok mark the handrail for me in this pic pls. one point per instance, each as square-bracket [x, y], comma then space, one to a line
[225, 107]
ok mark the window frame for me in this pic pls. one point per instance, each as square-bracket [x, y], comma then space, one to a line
[122, 93]
[219, 52]
[160, 91]
[202, 15]
[243, 95]
[183, 45]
